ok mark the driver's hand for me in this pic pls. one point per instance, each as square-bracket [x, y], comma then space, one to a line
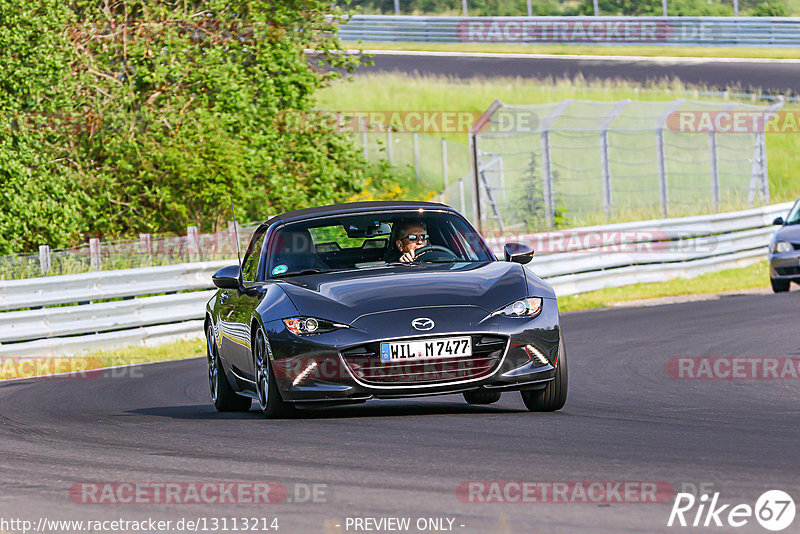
[407, 257]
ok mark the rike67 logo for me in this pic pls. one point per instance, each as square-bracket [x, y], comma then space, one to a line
[774, 510]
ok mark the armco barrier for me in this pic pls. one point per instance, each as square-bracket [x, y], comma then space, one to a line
[662, 249]
[570, 261]
[671, 31]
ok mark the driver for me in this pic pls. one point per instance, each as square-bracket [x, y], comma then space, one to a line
[412, 236]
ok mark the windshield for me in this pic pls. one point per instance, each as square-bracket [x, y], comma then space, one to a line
[371, 240]
[794, 215]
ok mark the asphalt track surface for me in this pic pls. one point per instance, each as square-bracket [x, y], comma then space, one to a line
[768, 76]
[625, 419]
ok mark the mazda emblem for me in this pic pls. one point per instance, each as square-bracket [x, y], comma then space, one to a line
[422, 323]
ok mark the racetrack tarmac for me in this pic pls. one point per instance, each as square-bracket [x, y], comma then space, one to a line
[625, 420]
[773, 77]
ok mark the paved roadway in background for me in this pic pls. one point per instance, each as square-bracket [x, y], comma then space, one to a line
[625, 419]
[770, 76]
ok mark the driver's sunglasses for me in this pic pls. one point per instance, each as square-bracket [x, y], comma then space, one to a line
[416, 237]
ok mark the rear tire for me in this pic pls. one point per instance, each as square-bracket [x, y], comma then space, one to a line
[779, 286]
[554, 395]
[482, 397]
[270, 401]
[223, 396]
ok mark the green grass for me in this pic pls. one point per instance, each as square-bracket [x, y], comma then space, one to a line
[14, 368]
[429, 93]
[755, 276]
[592, 50]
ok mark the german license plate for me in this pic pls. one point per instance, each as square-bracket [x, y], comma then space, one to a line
[427, 348]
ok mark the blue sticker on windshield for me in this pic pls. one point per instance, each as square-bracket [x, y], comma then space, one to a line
[279, 269]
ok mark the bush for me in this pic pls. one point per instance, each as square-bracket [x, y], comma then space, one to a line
[168, 108]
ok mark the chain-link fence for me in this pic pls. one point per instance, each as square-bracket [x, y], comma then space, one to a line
[579, 162]
[440, 165]
[147, 251]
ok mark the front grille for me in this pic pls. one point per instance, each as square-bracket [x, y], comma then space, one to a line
[796, 246]
[365, 363]
[787, 271]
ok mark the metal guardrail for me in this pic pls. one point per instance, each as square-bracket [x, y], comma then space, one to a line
[571, 261]
[671, 31]
[648, 251]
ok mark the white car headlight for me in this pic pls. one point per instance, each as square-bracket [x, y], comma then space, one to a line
[783, 246]
[309, 325]
[529, 307]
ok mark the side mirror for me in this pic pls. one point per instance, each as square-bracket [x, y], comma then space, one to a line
[778, 221]
[518, 253]
[227, 277]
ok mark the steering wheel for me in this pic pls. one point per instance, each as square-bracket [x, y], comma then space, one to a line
[434, 253]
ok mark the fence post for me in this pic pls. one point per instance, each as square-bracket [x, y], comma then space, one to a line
[193, 243]
[712, 148]
[232, 236]
[396, 7]
[547, 171]
[444, 168]
[547, 179]
[464, 8]
[618, 108]
[94, 253]
[416, 155]
[389, 144]
[662, 173]
[463, 205]
[762, 143]
[146, 244]
[530, 8]
[44, 259]
[663, 192]
[364, 139]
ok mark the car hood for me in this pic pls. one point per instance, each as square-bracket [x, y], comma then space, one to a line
[344, 296]
[789, 233]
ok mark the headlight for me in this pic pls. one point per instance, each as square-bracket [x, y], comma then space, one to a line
[529, 307]
[783, 246]
[302, 326]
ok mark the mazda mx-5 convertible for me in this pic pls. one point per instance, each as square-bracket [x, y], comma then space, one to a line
[380, 300]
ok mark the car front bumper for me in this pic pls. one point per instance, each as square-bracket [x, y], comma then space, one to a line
[314, 369]
[785, 265]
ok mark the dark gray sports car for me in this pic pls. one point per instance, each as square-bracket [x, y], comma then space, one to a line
[784, 251]
[375, 300]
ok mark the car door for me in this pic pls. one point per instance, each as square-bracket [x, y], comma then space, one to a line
[239, 308]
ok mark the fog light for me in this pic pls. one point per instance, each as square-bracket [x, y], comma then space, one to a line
[537, 355]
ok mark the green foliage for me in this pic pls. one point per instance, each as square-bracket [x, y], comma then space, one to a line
[144, 115]
[495, 8]
[678, 8]
[38, 201]
[499, 8]
[774, 8]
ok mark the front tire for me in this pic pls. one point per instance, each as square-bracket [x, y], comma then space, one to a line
[481, 397]
[222, 394]
[779, 286]
[554, 395]
[270, 401]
